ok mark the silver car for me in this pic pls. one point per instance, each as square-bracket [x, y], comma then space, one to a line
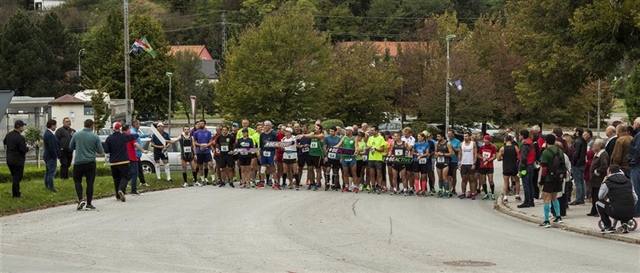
[173, 152]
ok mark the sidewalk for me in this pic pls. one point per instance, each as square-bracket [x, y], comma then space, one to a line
[575, 221]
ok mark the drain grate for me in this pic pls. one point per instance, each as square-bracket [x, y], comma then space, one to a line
[467, 263]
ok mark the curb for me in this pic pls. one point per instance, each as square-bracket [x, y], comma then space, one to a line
[581, 230]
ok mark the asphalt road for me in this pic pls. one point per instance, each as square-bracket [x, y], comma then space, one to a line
[250, 230]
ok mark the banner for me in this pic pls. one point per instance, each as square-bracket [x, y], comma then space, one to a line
[341, 151]
[398, 159]
[277, 144]
[193, 107]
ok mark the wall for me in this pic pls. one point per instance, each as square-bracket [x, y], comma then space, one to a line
[59, 112]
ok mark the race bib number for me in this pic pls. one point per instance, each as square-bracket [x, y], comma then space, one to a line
[224, 148]
[365, 157]
[398, 152]
[290, 156]
[332, 155]
[422, 161]
[305, 149]
[266, 153]
[314, 145]
[187, 149]
[440, 159]
[486, 154]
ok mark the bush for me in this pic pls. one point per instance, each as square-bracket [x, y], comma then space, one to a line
[332, 122]
[33, 173]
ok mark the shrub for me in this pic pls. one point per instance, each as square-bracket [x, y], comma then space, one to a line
[34, 173]
[332, 122]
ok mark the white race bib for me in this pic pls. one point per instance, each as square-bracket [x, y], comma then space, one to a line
[398, 152]
[422, 161]
[290, 155]
[440, 159]
[187, 149]
[224, 148]
[305, 149]
[332, 155]
[486, 154]
[314, 145]
[266, 153]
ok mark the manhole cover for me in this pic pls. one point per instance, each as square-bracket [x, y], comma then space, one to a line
[469, 263]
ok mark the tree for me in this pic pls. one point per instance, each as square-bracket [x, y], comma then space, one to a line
[633, 94]
[187, 74]
[277, 70]
[104, 60]
[359, 85]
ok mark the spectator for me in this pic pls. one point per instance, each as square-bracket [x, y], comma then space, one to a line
[611, 139]
[578, 163]
[51, 154]
[598, 169]
[622, 198]
[16, 150]
[86, 144]
[116, 147]
[64, 134]
[633, 157]
[620, 150]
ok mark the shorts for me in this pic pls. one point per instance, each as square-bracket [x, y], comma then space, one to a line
[415, 167]
[279, 156]
[466, 169]
[187, 157]
[302, 159]
[333, 163]
[348, 162]
[441, 165]
[158, 154]
[399, 167]
[267, 160]
[389, 164]
[506, 173]
[244, 161]
[429, 165]
[551, 187]
[422, 168]
[485, 171]
[360, 165]
[226, 161]
[204, 158]
[377, 165]
[289, 161]
[313, 161]
[453, 167]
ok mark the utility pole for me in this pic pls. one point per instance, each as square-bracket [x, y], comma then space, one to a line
[224, 32]
[127, 80]
[446, 122]
[79, 60]
[598, 108]
[169, 74]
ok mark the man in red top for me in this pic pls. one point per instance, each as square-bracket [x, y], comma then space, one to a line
[280, 157]
[133, 158]
[487, 155]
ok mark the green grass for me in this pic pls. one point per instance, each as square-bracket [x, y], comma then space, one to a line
[36, 196]
[619, 106]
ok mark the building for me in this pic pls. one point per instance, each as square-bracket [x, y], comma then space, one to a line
[74, 108]
[208, 65]
[43, 4]
[386, 47]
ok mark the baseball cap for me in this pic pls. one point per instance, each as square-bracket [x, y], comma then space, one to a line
[19, 123]
[235, 124]
[160, 124]
[487, 137]
[117, 126]
[349, 128]
[245, 130]
[288, 129]
[426, 133]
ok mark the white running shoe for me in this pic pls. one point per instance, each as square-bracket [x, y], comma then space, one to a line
[185, 185]
[197, 184]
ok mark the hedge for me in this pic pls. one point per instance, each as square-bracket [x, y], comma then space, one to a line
[33, 172]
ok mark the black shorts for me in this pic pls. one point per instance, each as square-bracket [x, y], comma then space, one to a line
[158, 155]
[551, 187]
[289, 161]
[389, 164]
[226, 161]
[187, 157]
[453, 167]
[360, 165]
[244, 161]
[377, 165]
[313, 161]
[333, 163]
[399, 167]
[415, 167]
[441, 165]
[204, 158]
[466, 169]
[302, 159]
[422, 168]
[509, 173]
[485, 171]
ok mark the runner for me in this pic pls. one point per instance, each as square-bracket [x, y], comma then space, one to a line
[349, 162]
[314, 160]
[216, 156]
[407, 137]
[245, 158]
[361, 162]
[267, 155]
[279, 157]
[255, 168]
[377, 147]
[159, 152]
[444, 152]
[453, 165]
[488, 155]
[224, 143]
[421, 156]
[331, 161]
[202, 138]
[399, 149]
[509, 153]
[187, 155]
[290, 158]
[303, 150]
[387, 172]
[468, 153]
[430, 161]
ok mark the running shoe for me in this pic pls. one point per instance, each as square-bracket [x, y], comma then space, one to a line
[440, 195]
[310, 186]
[231, 184]
[122, 198]
[608, 230]
[625, 228]
[485, 197]
[260, 186]
[361, 187]
[185, 185]
[81, 205]
[405, 192]
[297, 187]
[326, 187]
[368, 187]
[144, 184]
[90, 207]
[432, 192]
[169, 181]
[454, 193]
[136, 193]
[518, 198]
[276, 187]
[462, 196]
[315, 187]
[356, 190]
[447, 194]
[505, 199]
[345, 189]
[473, 197]
[197, 184]
[493, 196]
[558, 219]
[545, 224]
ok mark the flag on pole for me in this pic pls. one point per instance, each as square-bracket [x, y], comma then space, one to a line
[143, 45]
[458, 84]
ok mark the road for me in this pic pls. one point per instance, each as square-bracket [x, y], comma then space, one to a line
[249, 230]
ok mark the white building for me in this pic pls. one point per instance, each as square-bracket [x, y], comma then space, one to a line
[43, 4]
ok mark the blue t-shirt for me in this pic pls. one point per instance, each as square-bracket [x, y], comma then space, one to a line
[330, 141]
[143, 135]
[156, 141]
[302, 142]
[266, 137]
[202, 136]
[421, 148]
[455, 144]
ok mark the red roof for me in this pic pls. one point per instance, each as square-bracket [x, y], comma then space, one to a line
[200, 50]
[67, 99]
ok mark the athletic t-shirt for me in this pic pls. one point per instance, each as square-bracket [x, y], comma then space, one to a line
[156, 141]
[487, 151]
[510, 159]
[202, 137]
[245, 143]
[361, 147]
[547, 157]
[303, 142]
[316, 147]
[226, 143]
[420, 148]
[331, 141]
[266, 137]
[376, 142]
[455, 145]
[409, 140]
[467, 153]
[349, 143]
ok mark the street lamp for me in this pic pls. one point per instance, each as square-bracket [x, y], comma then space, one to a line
[79, 67]
[446, 122]
[169, 74]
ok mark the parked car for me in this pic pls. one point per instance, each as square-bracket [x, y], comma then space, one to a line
[173, 152]
[494, 131]
[104, 133]
[146, 118]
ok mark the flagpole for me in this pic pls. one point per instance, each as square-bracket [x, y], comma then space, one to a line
[446, 122]
[127, 80]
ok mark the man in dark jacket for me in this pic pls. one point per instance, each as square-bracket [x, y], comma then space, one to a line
[116, 147]
[16, 149]
[51, 154]
[622, 199]
[578, 164]
[527, 158]
[64, 134]
[633, 157]
[612, 138]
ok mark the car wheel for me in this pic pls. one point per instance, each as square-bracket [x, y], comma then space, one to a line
[148, 168]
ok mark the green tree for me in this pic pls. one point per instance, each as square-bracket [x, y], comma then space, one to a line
[277, 70]
[359, 85]
[633, 94]
[33, 137]
[188, 73]
[104, 60]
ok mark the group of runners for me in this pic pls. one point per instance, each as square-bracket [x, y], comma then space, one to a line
[351, 160]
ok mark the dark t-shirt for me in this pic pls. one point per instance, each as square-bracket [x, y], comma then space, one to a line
[226, 143]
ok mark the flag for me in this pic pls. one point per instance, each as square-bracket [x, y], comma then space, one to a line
[458, 84]
[143, 45]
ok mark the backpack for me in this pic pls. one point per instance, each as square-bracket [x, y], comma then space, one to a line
[557, 169]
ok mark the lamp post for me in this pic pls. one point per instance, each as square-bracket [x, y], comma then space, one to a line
[446, 122]
[127, 76]
[79, 58]
[169, 74]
